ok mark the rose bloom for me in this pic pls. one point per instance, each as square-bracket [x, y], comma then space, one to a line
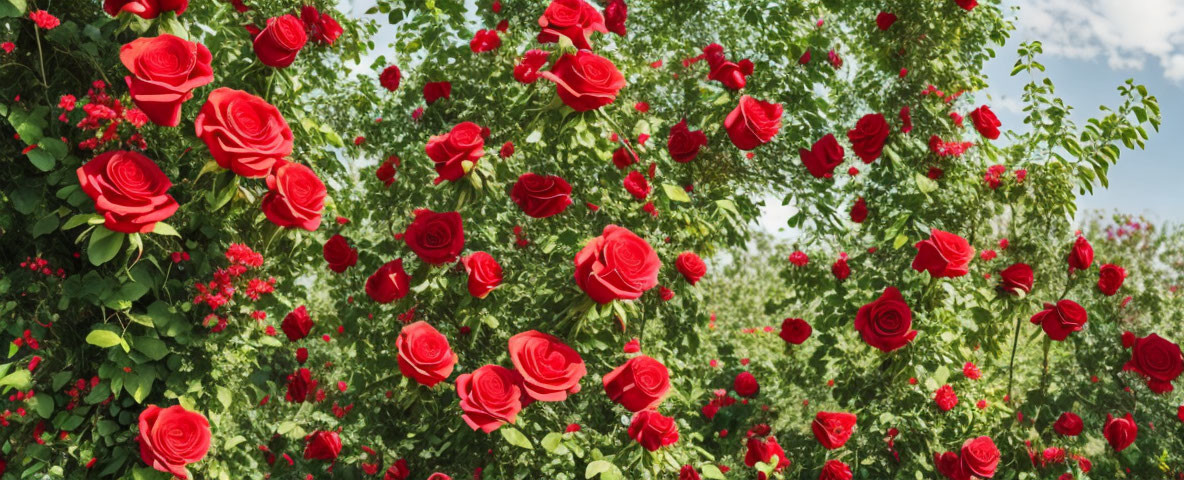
[146, 9]
[980, 457]
[320, 26]
[456, 152]
[297, 324]
[764, 451]
[424, 354]
[795, 330]
[615, 14]
[433, 91]
[295, 197]
[338, 254]
[985, 122]
[753, 123]
[835, 470]
[390, 78]
[485, 41]
[1110, 278]
[822, 159]
[243, 132]
[1082, 254]
[886, 323]
[322, 445]
[164, 72]
[690, 266]
[684, 144]
[943, 255]
[300, 384]
[868, 136]
[833, 429]
[639, 384]
[798, 258]
[840, 269]
[1120, 432]
[967, 4]
[585, 81]
[527, 69]
[490, 397]
[485, 274]
[1068, 424]
[1156, 359]
[171, 438]
[745, 385]
[1061, 319]
[549, 368]
[885, 20]
[541, 196]
[128, 189]
[574, 19]
[616, 265]
[436, 237]
[279, 42]
[859, 210]
[1016, 279]
[688, 473]
[945, 398]
[389, 283]
[653, 430]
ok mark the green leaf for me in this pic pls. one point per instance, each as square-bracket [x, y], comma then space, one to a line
[41, 159]
[19, 380]
[151, 347]
[42, 403]
[103, 338]
[139, 385]
[711, 471]
[941, 375]
[515, 437]
[225, 397]
[83, 218]
[55, 147]
[12, 8]
[162, 228]
[675, 193]
[551, 441]
[45, 225]
[104, 244]
[925, 184]
[596, 468]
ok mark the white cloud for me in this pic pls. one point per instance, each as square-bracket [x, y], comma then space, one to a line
[1125, 33]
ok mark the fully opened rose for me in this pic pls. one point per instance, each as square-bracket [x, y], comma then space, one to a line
[436, 237]
[173, 437]
[753, 123]
[243, 132]
[943, 255]
[653, 430]
[295, 197]
[129, 190]
[684, 144]
[541, 196]
[280, 41]
[1158, 360]
[424, 354]
[146, 9]
[550, 369]
[887, 322]
[456, 152]
[585, 81]
[164, 72]
[618, 265]
[574, 19]
[640, 384]
[490, 397]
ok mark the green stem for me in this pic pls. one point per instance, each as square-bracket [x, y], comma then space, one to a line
[1015, 341]
[41, 60]
[1044, 375]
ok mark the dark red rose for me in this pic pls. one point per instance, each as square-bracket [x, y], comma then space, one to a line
[322, 445]
[485, 274]
[653, 430]
[980, 457]
[886, 323]
[549, 368]
[1180, 413]
[295, 197]
[1110, 277]
[389, 283]
[950, 466]
[945, 398]
[840, 269]
[490, 397]
[397, 471]
[690, 266]
[615, 14]
[424, 354]
[279, 42]
[639, 384]
[1059, 320]
[985, 122]
[832, 429]
[243, 132]
[763, 451]
[636, 184]
[456, 152]
[868, 136]
[885, 20]
[437, 238]
[433, 91]
[753, 123]
[1068, 424]
[585, 81]
[906, 118]
[129, 191]
[339, 254]
[795, 330]
[485, 41]
[300, 384]
[616, 265]
[146, 9]
[1082, 254]
[1016, 279]
[507, 150]
[171, 438]
[967, 4]
[574, 19]
[164, 72]
[859, 210]
[688, 473]
[541, 196]
[746, 385]
[320, 26]
[943, 255]
[624, 157]
[297, 324]
[731, 74]
[684, 144]
[390, 77]
[1156, 359]
[1120, 432]
[835, 470]
[527, 69]
[822, 159]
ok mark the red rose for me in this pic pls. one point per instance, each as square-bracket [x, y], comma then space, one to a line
[457, 151]
[653, 430]
[339, 254]
[1082, 254]
[1016, 278]
[799, 258]
[746, 385]
[1158, 360]
[129, 190]
[1120, 432]
[550, 369]
[527, 69]
[688, 473]
[868, 136]
[835, 470]
[1059, 320]
[490, 397]
[885, 20]
[541, 196]
[859, 210]
[795, 330]
[985, 122]
[950, 466]
[840, 269]
[616, 265]
[424, 354]
[624, 157]
[300, 384]
[439, 476]
[485, 41]
[753, 123]
[967, 4]
[1110, 277]
[171, 438]
[1180, 413]
[585, 81]
[980, 457]
[164, 72]
[945, 398]
[639, 384]
[389, 283]
[822, 159]
[321, 27]
[943, 255]
[574, 19]
[906, 117]
[684, 144]
[397, 471]
[763, 451]
[295, 197]
[243, 132]
[886, 322]
[690, 266]
[1068, 424]
[485, 274]
[146, 9]
[832, 429]
[322, 445]
[507, 150]
[615, 14]
[433, 91]
[297, 324]
[390, 77]
[279, 42]
[636, 184]
[437, 238]
[731, 74]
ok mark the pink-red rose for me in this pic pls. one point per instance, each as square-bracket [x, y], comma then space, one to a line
[389, 283]
[490, 397]
[171, 438]
[574, 19]
[424, 354]
[485, 274]
[683, 143]
[617, 265]
[129, 190]
[243, 132]
[753, 123]
[164, 72]
[437, 238]
[1061, 319]
[980, 457]
[653, 430]
[690, 266]
[322, 445]
[541, 196]
[943, 255]
[833, 429]
[485, 41]
[868, 136]
[279, 42]
[585, 81]
[835, 470]
[639, 384]
[295, 197]
[456, 152]
[549, 368]
[822, 159]
[886, 323]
